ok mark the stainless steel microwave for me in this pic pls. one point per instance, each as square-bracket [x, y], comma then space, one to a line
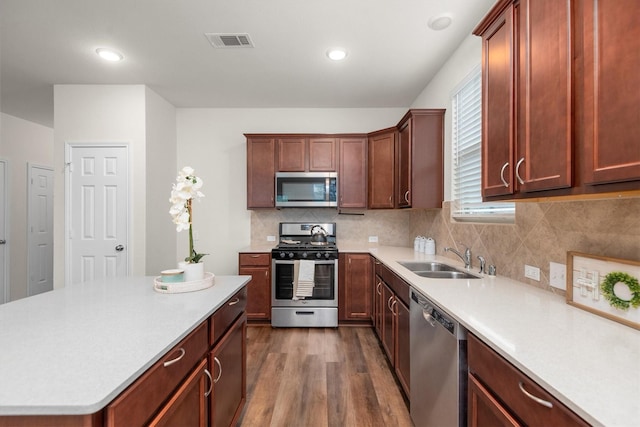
[306, 189]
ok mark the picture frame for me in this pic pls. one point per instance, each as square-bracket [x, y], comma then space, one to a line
[608, 287]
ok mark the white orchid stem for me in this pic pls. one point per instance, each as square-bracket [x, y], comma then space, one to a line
[190, 258]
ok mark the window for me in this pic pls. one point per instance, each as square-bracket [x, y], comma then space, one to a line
[466, 159]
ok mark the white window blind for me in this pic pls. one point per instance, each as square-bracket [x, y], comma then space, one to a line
[467, 161]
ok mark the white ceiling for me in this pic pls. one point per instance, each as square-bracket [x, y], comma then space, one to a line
[392, 52]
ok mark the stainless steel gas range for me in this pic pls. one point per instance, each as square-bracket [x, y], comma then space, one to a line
[304, 289]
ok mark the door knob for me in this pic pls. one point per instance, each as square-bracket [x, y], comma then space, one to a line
[2, 241]
[119, 248]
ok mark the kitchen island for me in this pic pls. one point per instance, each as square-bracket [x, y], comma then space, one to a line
[72, 351]
[587, 362]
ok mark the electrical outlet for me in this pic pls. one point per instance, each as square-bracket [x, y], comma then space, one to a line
[558, 275]
[271, 238]
[532, 272]
[373, 239]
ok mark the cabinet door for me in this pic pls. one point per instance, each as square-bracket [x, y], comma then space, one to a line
[498, 106]
[484, 409]
[377, 306]
[388, 323]
[357, 287]
[381, 171]
[404, 164]
[188, 406]
[609, 73]
[544, 152]
[322, 155]
[403, 346]
[292, 154]
[352, 178]
[258, 292]
[261, 171]
[227, 363]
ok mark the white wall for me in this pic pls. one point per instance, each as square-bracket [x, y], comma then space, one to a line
[21, 142]
[161, 151]
[212, 142]
[100, 114]
[437, 94]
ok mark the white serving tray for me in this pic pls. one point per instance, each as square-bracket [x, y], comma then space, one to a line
[180, 287]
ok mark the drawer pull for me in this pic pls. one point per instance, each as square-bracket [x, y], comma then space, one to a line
[235, 301]
[534, 398]
[206, 371]
[215, 359]
[177, 359]
[255, 256]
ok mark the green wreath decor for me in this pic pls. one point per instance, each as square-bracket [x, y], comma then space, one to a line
[610, 281]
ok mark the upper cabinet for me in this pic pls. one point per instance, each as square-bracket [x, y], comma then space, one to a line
[560, 112]
[261, 171]
[352, 174]
[420, 159]
[381, 169]
[301, 154]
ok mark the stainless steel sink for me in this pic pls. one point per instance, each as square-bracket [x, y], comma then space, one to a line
[436, 270]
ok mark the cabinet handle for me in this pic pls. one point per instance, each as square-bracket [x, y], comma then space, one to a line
[390, 198]
[534, 398]
[378, 288]
[390, 303]
[406, 196]
[517, 169]
[215, 359]
[207, 373]
[394, 312]
[506, 184]
[255, 256]
[177, 359]
[235, 301]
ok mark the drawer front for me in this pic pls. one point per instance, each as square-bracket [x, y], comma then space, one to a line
[224, 317]
[141, 400]
[249, 259]
[516, 390]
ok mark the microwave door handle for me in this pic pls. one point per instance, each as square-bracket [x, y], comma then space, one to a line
[327, 186]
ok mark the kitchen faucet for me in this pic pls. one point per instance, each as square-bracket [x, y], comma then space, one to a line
[466, 258]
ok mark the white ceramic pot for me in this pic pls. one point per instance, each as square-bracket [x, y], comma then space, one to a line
[192, 272]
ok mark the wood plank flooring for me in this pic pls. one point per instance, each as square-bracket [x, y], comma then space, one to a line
[320, 377]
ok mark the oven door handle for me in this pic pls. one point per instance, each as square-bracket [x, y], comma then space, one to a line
[319, 262]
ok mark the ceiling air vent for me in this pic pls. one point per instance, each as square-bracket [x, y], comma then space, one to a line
[229, 40]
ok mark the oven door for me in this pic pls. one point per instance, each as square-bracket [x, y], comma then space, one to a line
[325, 290]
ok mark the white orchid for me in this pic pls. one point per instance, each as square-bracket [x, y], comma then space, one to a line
[185, 190]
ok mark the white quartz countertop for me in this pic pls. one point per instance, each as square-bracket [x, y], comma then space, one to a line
[73, 350]
[589, 363]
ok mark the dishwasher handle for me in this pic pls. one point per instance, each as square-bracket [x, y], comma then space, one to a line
[429, 318]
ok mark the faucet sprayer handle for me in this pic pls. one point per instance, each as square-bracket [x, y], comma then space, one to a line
[482, 264]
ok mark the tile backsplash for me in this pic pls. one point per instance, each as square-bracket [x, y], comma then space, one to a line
[542, 232]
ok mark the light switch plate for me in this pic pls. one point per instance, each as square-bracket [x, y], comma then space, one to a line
[373, 239]
[558, 275]
[532, 272]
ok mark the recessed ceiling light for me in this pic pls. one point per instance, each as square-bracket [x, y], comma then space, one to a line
[440, 22]
[109, 54]
[337, 54]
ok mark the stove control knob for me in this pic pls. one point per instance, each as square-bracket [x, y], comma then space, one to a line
[327, 255]
[318, 255]
[290, 254]
[304, 254]
[281, 254]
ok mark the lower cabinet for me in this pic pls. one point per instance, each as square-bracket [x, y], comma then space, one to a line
[354, 292]
[501, 395]
[227, 363]
[258, 266]
[391, 297]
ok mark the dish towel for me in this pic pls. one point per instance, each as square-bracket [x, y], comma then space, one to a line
[305, 279]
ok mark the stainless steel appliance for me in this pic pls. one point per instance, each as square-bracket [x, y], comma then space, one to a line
[311, 246]
[438, 366]
[306, 189]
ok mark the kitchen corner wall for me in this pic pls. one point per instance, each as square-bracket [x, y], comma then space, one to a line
[542, 233]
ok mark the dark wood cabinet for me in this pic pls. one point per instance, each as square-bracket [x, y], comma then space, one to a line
[352, 174]
[377, 304]
[306, 154]
[258, 266]
[322, 155]
[420, 159]
[403, 346]
[388, 323]
[354, 299]
[608, 43]
[261, 170]
[188, 407]
[560, 114]
[292, 154]
[227, 363]
[499, 394]
[381, 169]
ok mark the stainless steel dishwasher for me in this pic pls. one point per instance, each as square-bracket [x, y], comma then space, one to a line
[438, 366]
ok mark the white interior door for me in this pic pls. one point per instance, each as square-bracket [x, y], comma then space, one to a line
[98, 211]
[40, 229]
[4, 292]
